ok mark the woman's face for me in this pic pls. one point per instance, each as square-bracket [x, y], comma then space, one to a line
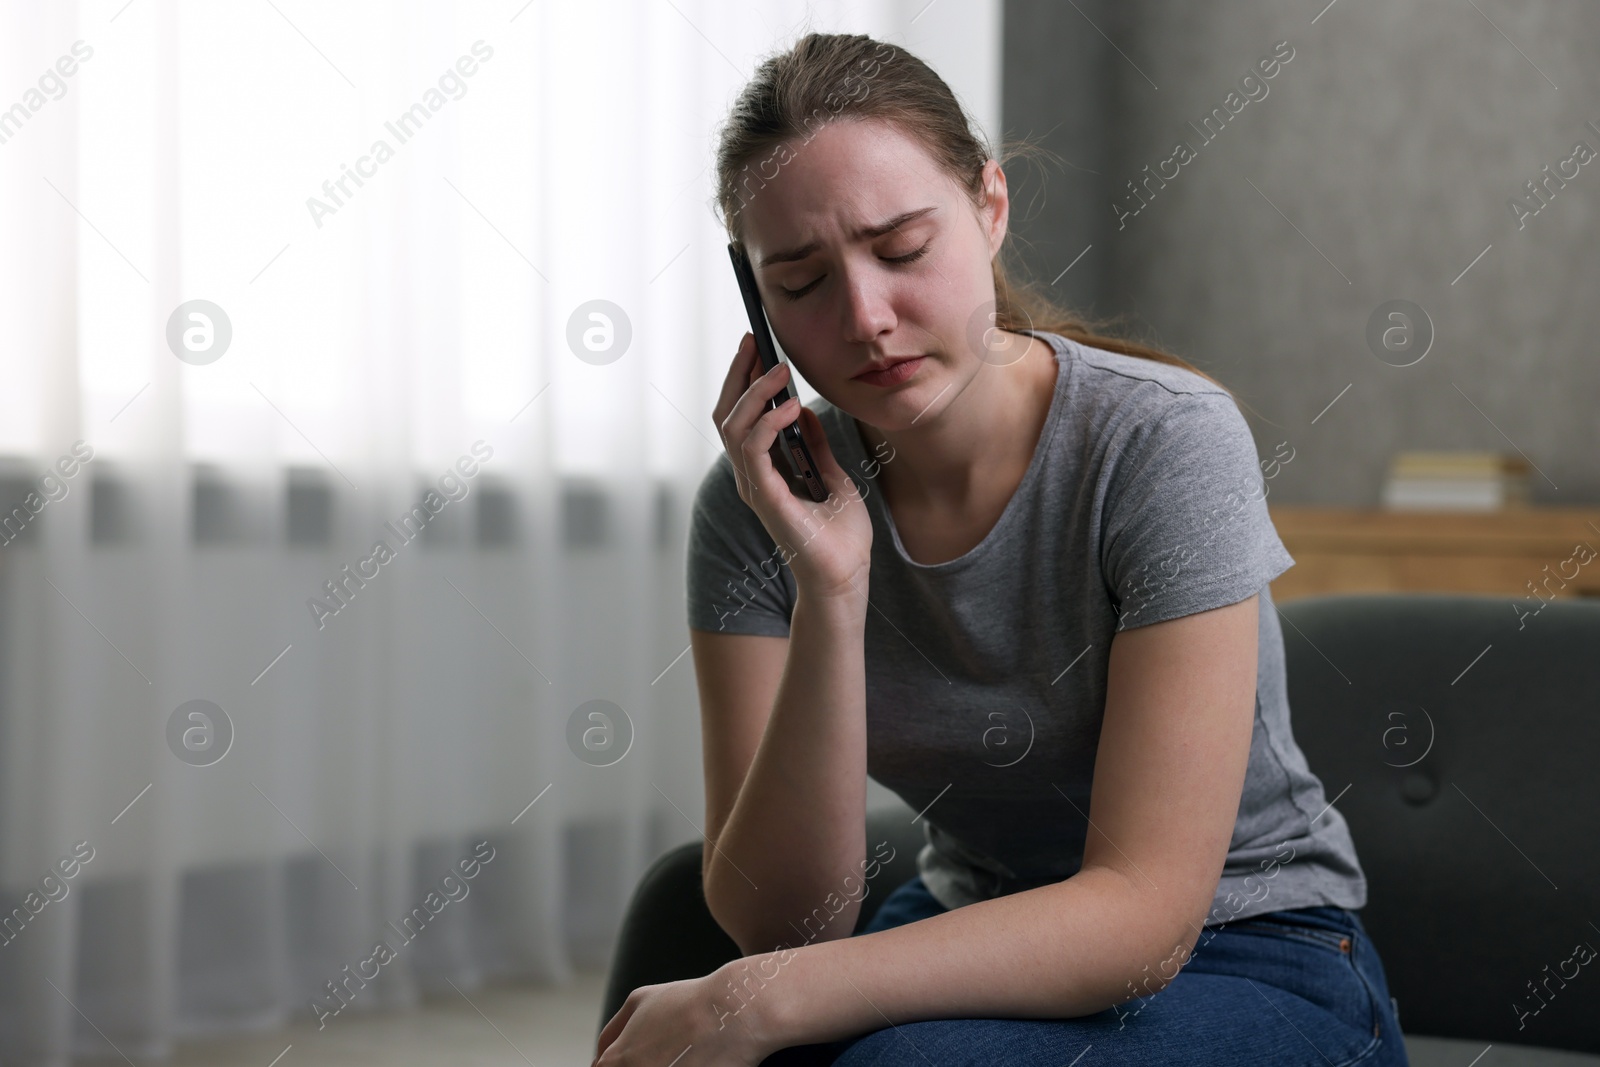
[838, 300]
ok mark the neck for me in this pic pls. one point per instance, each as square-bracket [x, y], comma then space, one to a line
[991, 427]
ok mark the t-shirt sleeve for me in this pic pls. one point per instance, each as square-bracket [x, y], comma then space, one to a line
[1186, 521]
[736, 580]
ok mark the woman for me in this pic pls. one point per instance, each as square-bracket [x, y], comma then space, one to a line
[1049, 630]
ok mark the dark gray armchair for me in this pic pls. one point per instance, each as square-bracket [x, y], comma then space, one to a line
[1460, 740]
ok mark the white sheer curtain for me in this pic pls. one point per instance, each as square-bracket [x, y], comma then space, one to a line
[184, 526]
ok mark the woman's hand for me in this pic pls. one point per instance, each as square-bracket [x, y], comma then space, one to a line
[829, 544]
[704, 1016]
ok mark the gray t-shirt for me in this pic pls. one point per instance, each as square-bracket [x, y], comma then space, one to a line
[986, 674]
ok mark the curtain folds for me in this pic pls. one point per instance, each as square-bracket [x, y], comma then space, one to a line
[358, 364]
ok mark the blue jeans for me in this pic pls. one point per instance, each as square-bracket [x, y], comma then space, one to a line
[1301, 986]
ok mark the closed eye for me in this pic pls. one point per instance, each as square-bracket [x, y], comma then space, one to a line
[911, 257]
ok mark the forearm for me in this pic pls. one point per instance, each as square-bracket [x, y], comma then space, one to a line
[797, 830]
[1064, 950]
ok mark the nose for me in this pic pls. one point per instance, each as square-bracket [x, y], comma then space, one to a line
[868, 311]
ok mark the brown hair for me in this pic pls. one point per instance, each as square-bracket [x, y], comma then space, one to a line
[829, 77]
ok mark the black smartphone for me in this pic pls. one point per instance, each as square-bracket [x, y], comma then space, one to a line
[800, 461]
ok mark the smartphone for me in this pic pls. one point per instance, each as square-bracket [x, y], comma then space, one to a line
[794, 444]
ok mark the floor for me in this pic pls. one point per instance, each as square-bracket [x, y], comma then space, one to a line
[503, 1026]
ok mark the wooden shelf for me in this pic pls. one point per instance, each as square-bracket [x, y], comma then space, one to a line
[1549, 552]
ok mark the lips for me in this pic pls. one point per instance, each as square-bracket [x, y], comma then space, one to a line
[878, 369]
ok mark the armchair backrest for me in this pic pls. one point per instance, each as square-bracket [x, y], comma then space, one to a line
[1461, 737]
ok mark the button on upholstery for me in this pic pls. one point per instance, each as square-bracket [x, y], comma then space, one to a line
[1417, 788]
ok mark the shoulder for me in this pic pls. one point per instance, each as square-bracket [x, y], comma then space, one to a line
[718, 489]
[1133, 406]
[718, 516]
[1116, 375]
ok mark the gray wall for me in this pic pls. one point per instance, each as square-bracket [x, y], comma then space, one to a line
[1393, 141]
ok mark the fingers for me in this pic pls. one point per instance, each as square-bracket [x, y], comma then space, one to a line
[737, 380]
[833, 476]
[766, 428]
[749, 406]
[746, 387]
[750, 427]
[734, 384]
[613, 1027]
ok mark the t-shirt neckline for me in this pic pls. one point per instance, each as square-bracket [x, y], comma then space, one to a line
[1029, 477]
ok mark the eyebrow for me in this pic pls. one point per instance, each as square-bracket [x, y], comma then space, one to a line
[865, 233]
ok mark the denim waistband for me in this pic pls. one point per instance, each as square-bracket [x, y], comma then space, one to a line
[1323, 916]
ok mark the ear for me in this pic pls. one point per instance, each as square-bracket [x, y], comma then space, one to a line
[995, 213]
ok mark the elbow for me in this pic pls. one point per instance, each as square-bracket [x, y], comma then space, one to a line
[725, 912]
[1153, 968]
[757, 926]
[733, 906]
[1162, 937]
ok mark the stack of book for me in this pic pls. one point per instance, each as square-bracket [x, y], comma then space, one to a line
[1456, 481]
